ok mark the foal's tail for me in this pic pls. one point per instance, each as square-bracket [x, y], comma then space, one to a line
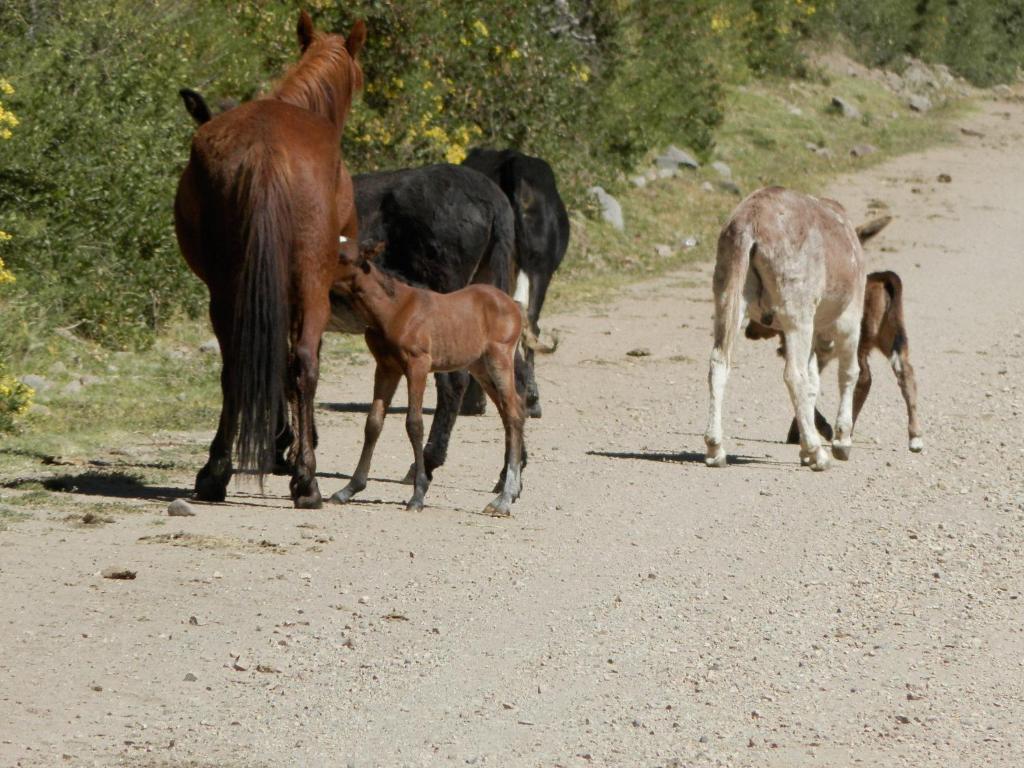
[736, 247]
[893, 317]
[259, 343]
[531, 341]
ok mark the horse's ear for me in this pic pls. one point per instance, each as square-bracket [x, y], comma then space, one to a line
[195, 105]
[306, 31]
[356, 39]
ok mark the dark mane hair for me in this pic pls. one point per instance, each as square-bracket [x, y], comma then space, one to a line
[323, 80]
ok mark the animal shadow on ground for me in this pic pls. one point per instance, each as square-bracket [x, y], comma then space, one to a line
[364, 408]
[682, 457]
[119, 485]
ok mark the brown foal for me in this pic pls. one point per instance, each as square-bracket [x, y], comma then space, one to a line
[414, 332]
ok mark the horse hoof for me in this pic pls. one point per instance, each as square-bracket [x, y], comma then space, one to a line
[343, 496]
[313, 501]
[716, 458]
[414, 506]
[841, 452]
[820, 461]
[282, 468]
[916, 445]
[533, 410]
[207, 490]
[497, 510]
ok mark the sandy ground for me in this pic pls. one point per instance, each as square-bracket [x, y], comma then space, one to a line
[639, 609]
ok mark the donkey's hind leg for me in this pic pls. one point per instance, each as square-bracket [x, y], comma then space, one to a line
[849, 370]
[385, 382]
[798, 381]
[718, 375]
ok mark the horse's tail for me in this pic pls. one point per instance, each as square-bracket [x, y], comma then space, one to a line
[736, 248]
[259, 342]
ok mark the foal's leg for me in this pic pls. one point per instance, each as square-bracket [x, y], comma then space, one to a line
[385, 382]
[908, 386]
[417, 380]
[498, 378]
[450, 390]
[798, 356]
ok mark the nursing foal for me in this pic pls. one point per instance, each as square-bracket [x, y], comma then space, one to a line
[414, 332]
[794, 263]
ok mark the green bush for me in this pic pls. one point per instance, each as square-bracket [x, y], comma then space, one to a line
[87, 181]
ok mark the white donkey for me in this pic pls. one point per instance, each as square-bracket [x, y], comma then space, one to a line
[792, 262]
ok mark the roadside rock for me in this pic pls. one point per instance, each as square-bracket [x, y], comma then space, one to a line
[209, 347]
[611, 211]
[638, 181]
[919, 103]
[673, 157]
[663, 250]
[38, 383]
[861, 150]
[723, 170]
[181, 508]
[726, 185]
[844, 108]
[116, 572]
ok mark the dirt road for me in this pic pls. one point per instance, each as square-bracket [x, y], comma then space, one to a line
[638, 609]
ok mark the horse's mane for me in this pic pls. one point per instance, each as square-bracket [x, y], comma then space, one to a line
[316, 82]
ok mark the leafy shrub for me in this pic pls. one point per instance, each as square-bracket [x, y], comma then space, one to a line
[87, 182]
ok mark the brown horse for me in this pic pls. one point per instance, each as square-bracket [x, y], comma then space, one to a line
[258, 212]
[414, 332]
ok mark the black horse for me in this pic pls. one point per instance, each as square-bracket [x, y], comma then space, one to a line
[542, 232]
[445, 226]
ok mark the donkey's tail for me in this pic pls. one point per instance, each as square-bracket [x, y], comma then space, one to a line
[736, 247]
[259, 343]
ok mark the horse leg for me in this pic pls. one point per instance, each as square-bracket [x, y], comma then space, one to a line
[212, 480]
[450, 390]
[474, 402]
[796, 376]
[538, 291]
[305, 372]
[385, 382]
[284, 450]
[416, 374]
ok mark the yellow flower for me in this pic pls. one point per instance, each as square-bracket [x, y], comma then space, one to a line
[455, 154]
[481, 28]
[6, 276]
[5, 87]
